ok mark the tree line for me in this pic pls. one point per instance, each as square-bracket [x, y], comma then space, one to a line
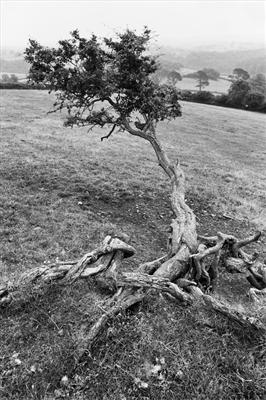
[245, 92]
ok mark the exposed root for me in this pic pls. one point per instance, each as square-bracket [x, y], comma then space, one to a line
[257, 294]
[226, 248]
[135, 286]
[103, 260]
[86, 339]
[132, 287]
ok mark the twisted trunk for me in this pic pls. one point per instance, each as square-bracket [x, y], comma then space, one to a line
[183, 236]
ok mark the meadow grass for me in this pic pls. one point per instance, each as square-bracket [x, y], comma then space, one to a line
[62, 191]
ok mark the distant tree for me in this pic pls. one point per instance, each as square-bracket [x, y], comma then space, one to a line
[238, 92]
[254, 100]
[211, 73]
[5, 78]
[202, 80]
[9, 78]
[173, 77]
[246, 92]
[240, 73]
[221, 100]
[13, 78]
[258, 84]
[186, 95]
[203, 97]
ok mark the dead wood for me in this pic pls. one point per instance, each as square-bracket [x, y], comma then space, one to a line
[92, 263]
[226, 248]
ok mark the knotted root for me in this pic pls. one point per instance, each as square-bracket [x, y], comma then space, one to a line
[225, 248]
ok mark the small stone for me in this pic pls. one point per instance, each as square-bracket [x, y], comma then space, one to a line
[228, 179]
[33, 369]
[156, 369]
[58, 393]
[64, 381]
[179, 374]
[140, 383]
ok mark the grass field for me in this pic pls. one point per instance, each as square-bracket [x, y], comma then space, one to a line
[62, 190]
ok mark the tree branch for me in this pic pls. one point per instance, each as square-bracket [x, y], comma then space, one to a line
[109, 134]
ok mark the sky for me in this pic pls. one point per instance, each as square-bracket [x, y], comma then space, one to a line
[175, 23]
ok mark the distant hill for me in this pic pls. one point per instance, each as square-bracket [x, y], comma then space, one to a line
[254, 61]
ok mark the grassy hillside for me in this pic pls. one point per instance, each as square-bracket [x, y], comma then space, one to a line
[62, 191]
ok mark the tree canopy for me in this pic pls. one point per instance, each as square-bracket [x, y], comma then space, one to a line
[240, 73]
[104, 82]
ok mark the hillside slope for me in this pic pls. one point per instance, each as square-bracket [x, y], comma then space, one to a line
[62, 191]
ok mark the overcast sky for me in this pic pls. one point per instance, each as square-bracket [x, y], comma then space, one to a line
[176, 22]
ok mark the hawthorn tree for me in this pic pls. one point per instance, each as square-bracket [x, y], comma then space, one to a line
[109, 84]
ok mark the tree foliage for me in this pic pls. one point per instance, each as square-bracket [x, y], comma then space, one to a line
[104, 82]
[237, 93]
[240, 73]
[258, 84]
[246, 92]
[9, 78]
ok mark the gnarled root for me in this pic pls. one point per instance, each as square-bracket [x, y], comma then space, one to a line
[103, 260]
[132, 287]
[225, 248]
[257, 294]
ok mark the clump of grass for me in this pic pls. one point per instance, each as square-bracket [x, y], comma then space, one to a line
[165, 352]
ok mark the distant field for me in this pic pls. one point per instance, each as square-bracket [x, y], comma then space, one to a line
[62, 190]
[217, 87]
